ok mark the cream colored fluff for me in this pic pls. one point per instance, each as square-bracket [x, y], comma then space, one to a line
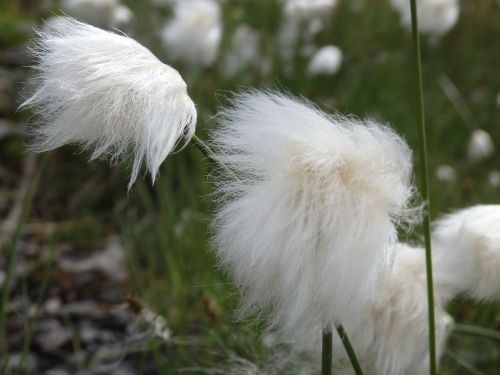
[109, 94]
[306, 221]
[467, 252]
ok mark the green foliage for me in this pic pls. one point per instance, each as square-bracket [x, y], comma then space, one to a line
[174, 269]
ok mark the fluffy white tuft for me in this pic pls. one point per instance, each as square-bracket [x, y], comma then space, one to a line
[195, 32]
[306, 218]
[109, 94]
[467, 252]
[327, 60]
[100, 13]
[435, 17]
[480, 145]
[394, 336]
[390, 336]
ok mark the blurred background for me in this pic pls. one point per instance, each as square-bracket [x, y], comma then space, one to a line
[109, 282]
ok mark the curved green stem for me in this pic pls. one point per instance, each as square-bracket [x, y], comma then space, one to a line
[326, 353]
[208, 153]
[349, 349]
[424, 186]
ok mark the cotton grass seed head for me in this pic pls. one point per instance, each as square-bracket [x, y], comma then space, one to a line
[467, 252]
[381, 330]
[395, 333]
[109, 94]
[306, 220]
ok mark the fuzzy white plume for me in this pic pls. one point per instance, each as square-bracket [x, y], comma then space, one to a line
[390, 335]
[435, 17]
[326, 60]
[194, 33]
[100, 13]
[394, 337]
[305, 221]
[109, 94]
[467, 252]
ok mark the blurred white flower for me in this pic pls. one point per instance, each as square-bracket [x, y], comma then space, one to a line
[446, 173]
[435, 17]
[306, 220]
[480, 145]
[307, 9]
[100, 13]
[109, 94]
[303, 20]
[244, 50]
[122, 15]
[194, 33]
[498, 100]
[395, 334]
[326, 60]
[467, 252]
[494, 178]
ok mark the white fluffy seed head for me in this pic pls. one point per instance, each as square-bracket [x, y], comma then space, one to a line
[327, 60]
[480, 146]
[390, 335]
[467, 252]
[393, 336]
[194, 33]
[306, 218]
[435, 17]
[109, 94]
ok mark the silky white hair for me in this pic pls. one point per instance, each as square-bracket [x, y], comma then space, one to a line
[306, 216]
[390, 334]
[435, 17]
[194, 33]
[109, 94]
[467, 252]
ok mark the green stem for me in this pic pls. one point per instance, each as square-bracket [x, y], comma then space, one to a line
[11, 249]
[326, 353]
[208, 153]
[477, 331]
[424, 187]
[349, 349]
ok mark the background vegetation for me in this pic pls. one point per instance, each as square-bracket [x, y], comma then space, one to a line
[163, 229]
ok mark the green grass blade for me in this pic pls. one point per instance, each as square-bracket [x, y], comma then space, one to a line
[424, 186]
[350, 350]
[326, 353]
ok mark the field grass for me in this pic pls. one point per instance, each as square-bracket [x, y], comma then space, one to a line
[171, 264]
